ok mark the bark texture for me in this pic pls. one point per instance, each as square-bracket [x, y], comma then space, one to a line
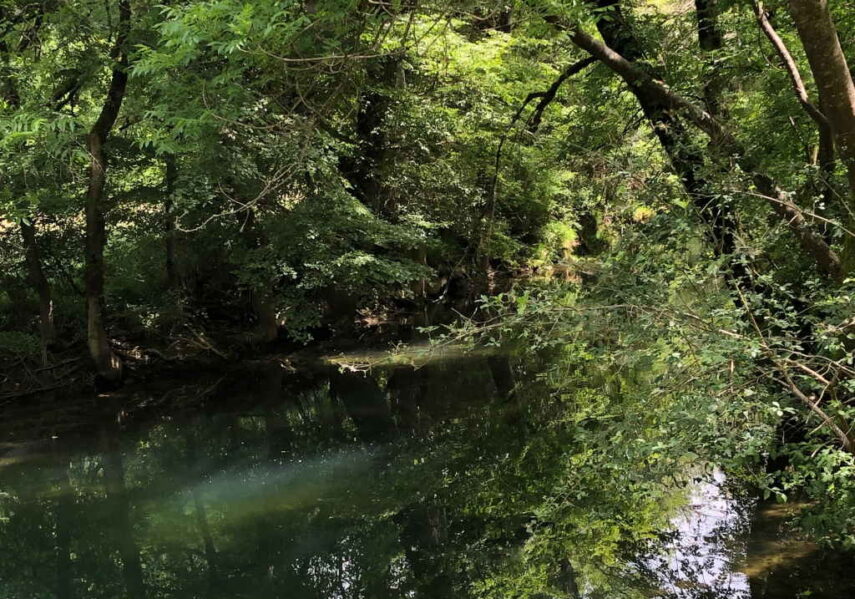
[710, 39]
[825, 151]
[686, 159]
[365, 170]
[33, 260]
[791, 67]
[831, 73]
[261, 300]
[169, 232]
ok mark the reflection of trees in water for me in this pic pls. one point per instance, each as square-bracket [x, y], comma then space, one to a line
[699, 558]
[162, 523]
[407, 483]
[62, 533]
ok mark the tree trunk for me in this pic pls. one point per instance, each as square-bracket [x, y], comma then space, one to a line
[39, 281]
[686, 159]
[567, 579]
[827, 260]
[172, 278]
[267, 323]
[825, 152]
[35, 272]
[831, 73]
[107, 364]
[710, 39]
[260, 298]
[836, 90]
[64, 520]
[364, 171]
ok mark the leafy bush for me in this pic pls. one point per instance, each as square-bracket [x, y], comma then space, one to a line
[15, 344]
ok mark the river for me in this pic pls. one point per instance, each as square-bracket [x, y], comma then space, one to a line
[438, 481]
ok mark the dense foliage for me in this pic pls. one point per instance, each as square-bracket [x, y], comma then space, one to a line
[663, 194]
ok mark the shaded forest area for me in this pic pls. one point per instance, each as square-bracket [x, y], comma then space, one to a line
[654, 196]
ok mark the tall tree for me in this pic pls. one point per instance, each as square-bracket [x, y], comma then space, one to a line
[169, 229]
[40, 283]
[710, 40]
[830, 70]
[667, 123]
[107, 363]
[825, 156]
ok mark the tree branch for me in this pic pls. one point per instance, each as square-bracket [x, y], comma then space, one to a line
[549, 95]
[811, 241]
[791, 68]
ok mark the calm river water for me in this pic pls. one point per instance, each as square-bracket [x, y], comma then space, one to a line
[263, 482]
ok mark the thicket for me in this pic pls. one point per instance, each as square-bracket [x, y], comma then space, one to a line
[683, 176]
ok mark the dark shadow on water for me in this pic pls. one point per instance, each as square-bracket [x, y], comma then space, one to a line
[782, 565]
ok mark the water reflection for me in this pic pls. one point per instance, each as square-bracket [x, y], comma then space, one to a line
[702, 557]
[435, 482]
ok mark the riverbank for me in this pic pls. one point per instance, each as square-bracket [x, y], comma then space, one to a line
[147, 354]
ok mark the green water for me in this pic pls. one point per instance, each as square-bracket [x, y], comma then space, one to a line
[430, 482]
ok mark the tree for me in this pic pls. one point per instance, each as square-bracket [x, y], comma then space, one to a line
[106, 361]
[836, 88]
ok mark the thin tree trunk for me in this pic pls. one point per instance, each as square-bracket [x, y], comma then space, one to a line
[35, 272]
[825, 154]
[547, 97]
[364, 172]
[39, 281]
[107, 363]
[811, 241]
[261, 300]
[172, 278]
[567, 579]
[831, 73]
[267, 325]
[686, 160]
[791, 67]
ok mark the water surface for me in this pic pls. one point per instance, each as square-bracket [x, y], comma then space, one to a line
[439, 481]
